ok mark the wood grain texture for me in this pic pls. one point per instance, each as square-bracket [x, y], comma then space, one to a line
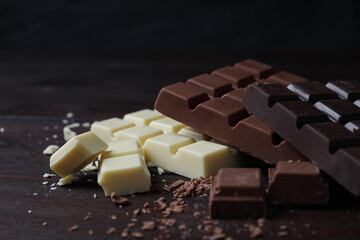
[38, 90]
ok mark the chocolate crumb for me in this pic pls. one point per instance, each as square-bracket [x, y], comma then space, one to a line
[91, 232]
[130, 225]
[113, 217]
[133, 195]
[133, 220]
[182, 227]
[73, 228]
[163, 180]
[161, 199]
[162, 205]
[176, 184]
[162, 227]
[261, 222]
[136, 212]
[282, 227]
[44, 224]
[255, 232]
[87, 217]
[94, 196]
[146, 210]
[148, 225]
[168, 222]
[146, 205]
[119, 200]
[282, 234]
[125, 233]
[137, 235]
[197, 214]
[111, 230]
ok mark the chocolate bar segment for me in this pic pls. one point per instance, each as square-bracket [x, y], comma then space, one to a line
[297, 183]
[258, 69]
[221, 115]
[341, 111]
[285, 78]
[236, 76]
[346, 89]
[237, 193]
[326, 143]
[312, 91]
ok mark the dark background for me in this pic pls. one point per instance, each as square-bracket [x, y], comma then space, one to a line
[100, 58]
[190, 26]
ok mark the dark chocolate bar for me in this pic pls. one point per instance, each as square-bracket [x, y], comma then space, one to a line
[315, 126]
[297, 183]
[237, 193]
[212, 104]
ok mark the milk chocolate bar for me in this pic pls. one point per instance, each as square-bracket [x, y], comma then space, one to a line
[311, 117]
[297, 183]
[237, 193]
[212, 104]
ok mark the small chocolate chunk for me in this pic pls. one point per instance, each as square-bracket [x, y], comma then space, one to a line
[237, 192]
[297, 183]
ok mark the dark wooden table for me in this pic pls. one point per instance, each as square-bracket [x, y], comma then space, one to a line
[38, 90]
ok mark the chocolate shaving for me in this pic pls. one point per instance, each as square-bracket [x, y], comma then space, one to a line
[137, 235]
[168, 222]
[136, 212]
[111, 230]
[87, 217]
[125, 233]
[119, 200]
[148, 225]
[73, 228]
[44, 224]
[174, 185]
[130, 225]
[91, 232]
[255, 232]
[282, 234]
[194, 187]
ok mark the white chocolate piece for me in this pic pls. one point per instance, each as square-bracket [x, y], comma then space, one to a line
[167, 125]
[78, 152]
[124, 175]
[138, 133]
[50, 150]
[66, 180]
[196, 135]
[179, 154]
[105, 129]
[143, 117]
[117, 149]
[68, 133]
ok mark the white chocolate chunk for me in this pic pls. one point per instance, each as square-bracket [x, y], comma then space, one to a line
[167, 125]
[78, 152]
[124, 175]
[117, 149]
[50, 150]
[190, 132]
[180, 155]
[143, 117]
[68, 133]
[91, 167]
[138, 133]
[105, 129]
[65, 180]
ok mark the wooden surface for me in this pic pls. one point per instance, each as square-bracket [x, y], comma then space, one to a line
[36, 92]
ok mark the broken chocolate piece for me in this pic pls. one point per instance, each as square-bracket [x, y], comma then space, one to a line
[297, 183]
[237, 193]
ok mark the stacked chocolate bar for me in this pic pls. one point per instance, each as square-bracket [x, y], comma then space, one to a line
[297, 128]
